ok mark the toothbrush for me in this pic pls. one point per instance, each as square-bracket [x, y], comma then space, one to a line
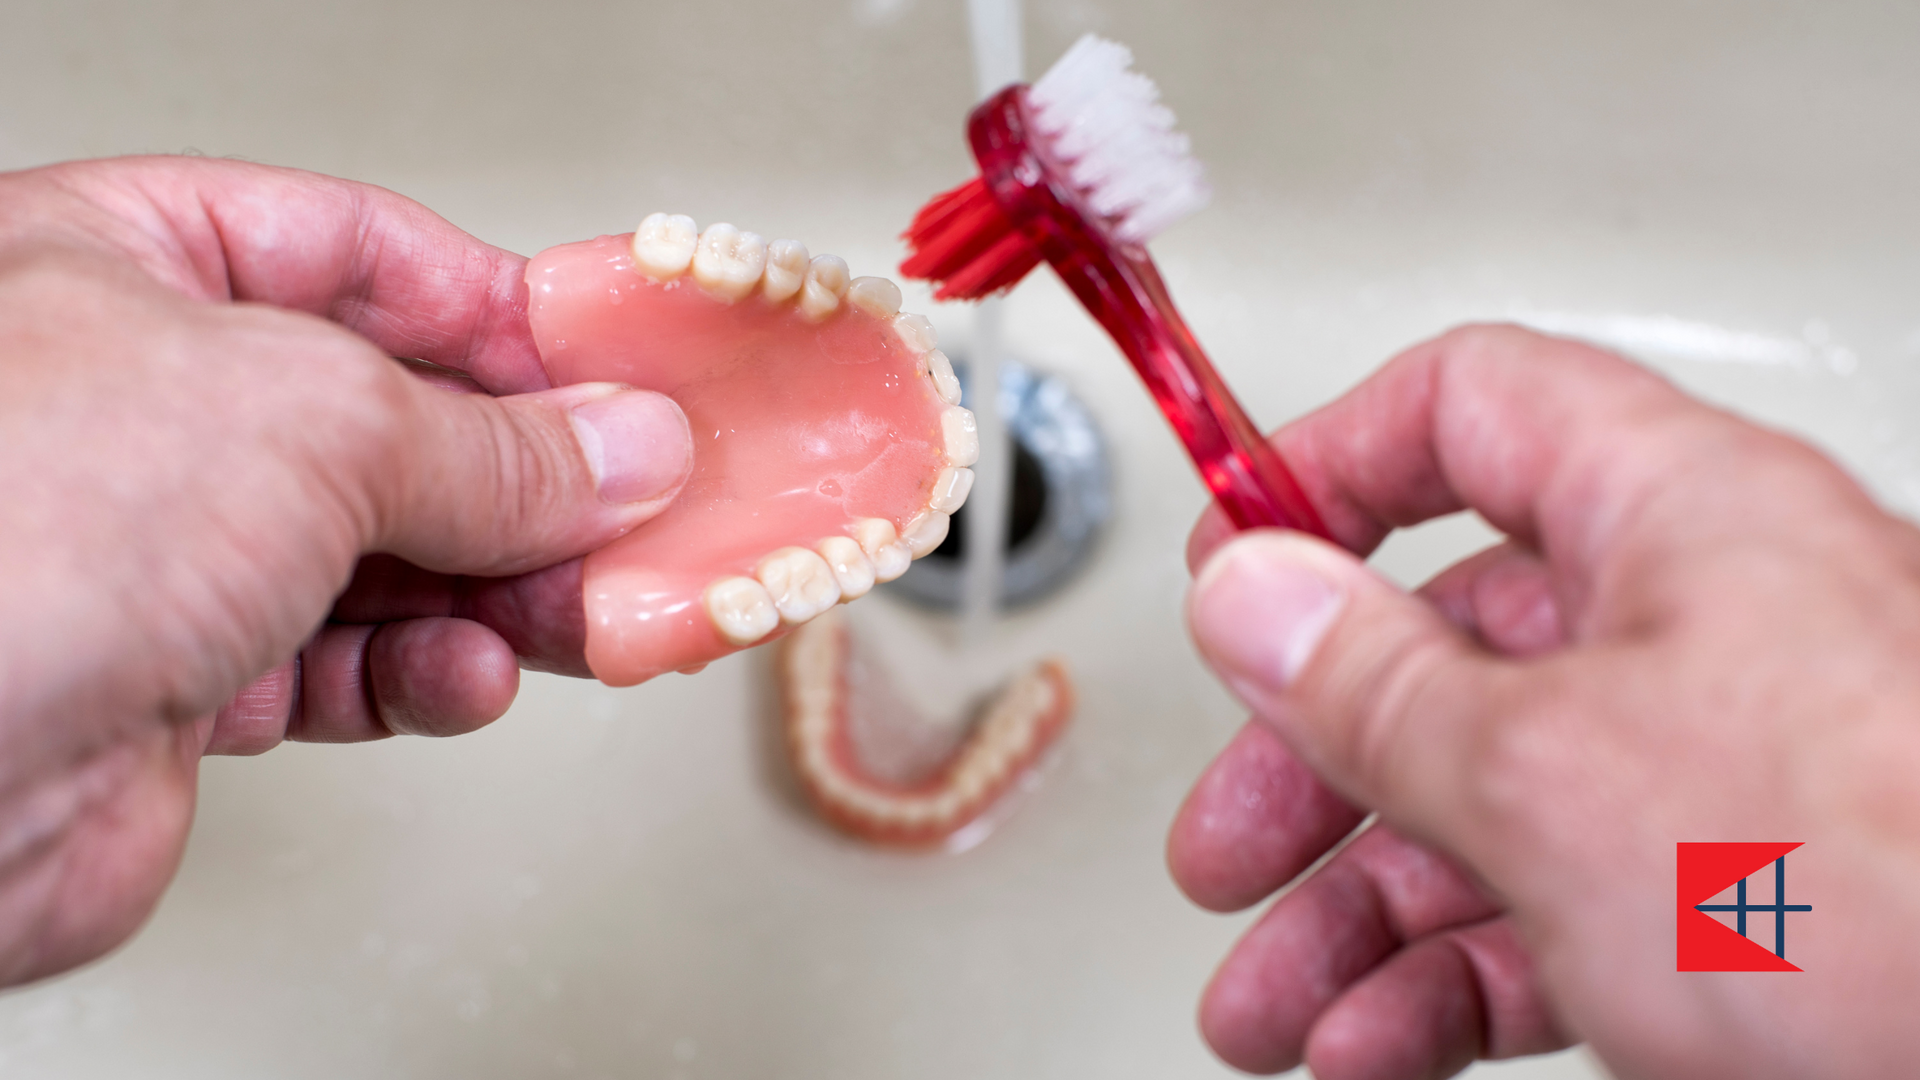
[1082, 169]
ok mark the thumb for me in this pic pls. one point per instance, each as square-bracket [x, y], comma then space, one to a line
[496, 486]
[1372, 687]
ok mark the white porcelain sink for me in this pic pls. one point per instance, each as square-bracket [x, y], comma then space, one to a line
[616, 883]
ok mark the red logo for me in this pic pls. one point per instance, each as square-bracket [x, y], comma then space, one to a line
[1704, 943]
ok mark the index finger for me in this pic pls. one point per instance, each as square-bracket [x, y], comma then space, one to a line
[1552, 441]
[376, 262]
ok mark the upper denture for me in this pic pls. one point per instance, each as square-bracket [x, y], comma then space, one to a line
[829, 446]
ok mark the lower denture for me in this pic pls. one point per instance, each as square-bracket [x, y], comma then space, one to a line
[948, 801]
[819, 415]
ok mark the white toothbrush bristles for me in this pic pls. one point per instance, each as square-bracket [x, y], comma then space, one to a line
[1107, 124]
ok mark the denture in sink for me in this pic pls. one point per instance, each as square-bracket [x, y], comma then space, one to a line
[879, 772]
[829, 442]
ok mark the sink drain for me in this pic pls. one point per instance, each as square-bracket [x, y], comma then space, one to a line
[1060, 498]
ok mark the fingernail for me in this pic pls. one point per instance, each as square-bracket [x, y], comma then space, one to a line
[637, 444]
[1258, 613]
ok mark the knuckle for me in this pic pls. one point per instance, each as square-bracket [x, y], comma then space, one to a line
[367, 426]
[1538, 355]
[532, 467]
[1391, 696]
[1487, 340]
[485, 483]
[524, 476]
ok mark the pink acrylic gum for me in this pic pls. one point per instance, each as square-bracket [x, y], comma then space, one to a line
[803, 425]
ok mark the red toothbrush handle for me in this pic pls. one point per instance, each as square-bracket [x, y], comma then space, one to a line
[1118, 284]
[1239, 466]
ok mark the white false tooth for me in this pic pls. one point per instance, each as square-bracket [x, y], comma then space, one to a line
[876, 296]
[786, 270]
[891, 556]
[826, 284]
[925, 532]
[663, 245]
[850, 565]
[873, 534]
[728, 262]
[950, 490]
[741, 609]
[945, 382]
[800, 582]
[961, 434]
[917, 332]
[892, 560]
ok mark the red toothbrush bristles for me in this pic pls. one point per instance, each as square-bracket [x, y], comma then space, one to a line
[962, 241]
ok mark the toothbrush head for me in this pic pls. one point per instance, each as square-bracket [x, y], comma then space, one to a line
[1105, 124]
[1081, 169]
[1087, 151]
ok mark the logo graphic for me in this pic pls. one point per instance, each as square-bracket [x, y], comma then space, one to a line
[1704, 943]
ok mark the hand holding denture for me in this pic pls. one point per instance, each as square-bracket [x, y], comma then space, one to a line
[202, 434]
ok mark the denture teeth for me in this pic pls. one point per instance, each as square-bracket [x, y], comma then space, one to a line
[801, 583]
[877, 538]
[874, 533]
[1006, 742]
[786, 270]
[728, 262]
[950, 490]
[741, 609]
[917, 332]
[945, 382]
[876, 296]
[826, 284]
[663, 245]
[925, 532]
[850, 566]
[961, 434]
[892, 561]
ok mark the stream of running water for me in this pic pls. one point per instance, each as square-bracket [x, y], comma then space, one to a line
[995, 32]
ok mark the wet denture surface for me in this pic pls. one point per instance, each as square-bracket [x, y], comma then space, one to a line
[829, 443]
[851, 744]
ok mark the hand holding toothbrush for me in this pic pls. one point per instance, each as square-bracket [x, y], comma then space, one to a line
[1697, 630]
